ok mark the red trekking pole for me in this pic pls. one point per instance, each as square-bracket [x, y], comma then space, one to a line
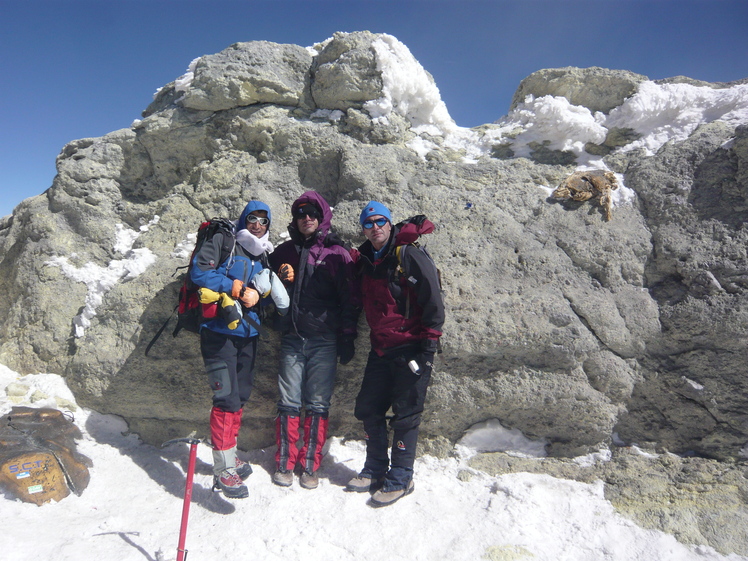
[193, 442]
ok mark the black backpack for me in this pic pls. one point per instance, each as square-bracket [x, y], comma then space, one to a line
[418, 226]
[190, 312]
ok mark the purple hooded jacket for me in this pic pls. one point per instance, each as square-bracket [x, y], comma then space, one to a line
[325, 299]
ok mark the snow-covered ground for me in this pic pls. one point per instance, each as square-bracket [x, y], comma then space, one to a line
[131, 509]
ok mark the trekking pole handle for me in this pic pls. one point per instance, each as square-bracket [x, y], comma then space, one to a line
[191, 439]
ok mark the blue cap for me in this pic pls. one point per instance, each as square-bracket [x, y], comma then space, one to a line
[373, 208]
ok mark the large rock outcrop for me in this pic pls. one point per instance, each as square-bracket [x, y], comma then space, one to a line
[597, 89]
[570, 328]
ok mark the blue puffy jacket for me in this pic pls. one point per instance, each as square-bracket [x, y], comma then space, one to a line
[208, 272]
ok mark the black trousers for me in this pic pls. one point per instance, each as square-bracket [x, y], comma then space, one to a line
[389, 383]
[230, 364]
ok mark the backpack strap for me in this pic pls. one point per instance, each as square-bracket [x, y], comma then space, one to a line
[160, 331]
[260, 330]
[226, 227]
[399, 253]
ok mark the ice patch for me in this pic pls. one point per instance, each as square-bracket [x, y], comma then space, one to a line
[694, 385]
[183, 83]
[491, 436]
[408, 90]
[100, 280]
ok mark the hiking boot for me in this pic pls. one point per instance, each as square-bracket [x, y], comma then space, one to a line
[283, 478]
[384, 498]
[224, 459]
[229, 482]
[363, 483]
[243, 469]
[309, 480]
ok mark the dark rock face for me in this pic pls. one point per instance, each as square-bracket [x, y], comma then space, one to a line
[693, 397]
[564, 325]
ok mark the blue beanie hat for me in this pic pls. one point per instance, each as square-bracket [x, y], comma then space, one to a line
[373, 208]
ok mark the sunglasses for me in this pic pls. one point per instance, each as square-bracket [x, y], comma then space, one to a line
[380, 222]
[309, 211]
[252, 219]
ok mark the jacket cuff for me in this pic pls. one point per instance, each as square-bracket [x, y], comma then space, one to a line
[429, 345]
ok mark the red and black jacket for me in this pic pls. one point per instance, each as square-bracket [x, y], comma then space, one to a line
[401, 291]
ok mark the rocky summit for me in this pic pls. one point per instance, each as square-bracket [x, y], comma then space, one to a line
[581, 332]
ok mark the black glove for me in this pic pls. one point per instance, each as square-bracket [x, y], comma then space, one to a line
[425, 357]
[346, 348]
[425, 362]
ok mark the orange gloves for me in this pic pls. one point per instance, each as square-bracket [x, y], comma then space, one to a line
[249, 297]
[236, 288]
[285, 273]
[246, 295]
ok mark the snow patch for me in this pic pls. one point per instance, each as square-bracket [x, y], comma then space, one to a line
[408, 90]
[333, 115]
[664, 113]
[183, 83]
[694, 385]
[100, 280]
[183, 249]
[491, 436]
[594, 458]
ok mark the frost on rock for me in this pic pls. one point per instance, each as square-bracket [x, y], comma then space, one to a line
[671, 112]
[408, 90]
[183, 83]
[100, 280]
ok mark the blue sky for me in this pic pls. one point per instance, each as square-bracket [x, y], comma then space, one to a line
[73, 69]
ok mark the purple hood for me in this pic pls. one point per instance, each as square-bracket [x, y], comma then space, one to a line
[314, 198]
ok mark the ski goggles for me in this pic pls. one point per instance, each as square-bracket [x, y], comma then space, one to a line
[379, 222]
[307, 210]
[252, 219]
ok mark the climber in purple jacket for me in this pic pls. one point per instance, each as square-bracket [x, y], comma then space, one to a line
[320, 327]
